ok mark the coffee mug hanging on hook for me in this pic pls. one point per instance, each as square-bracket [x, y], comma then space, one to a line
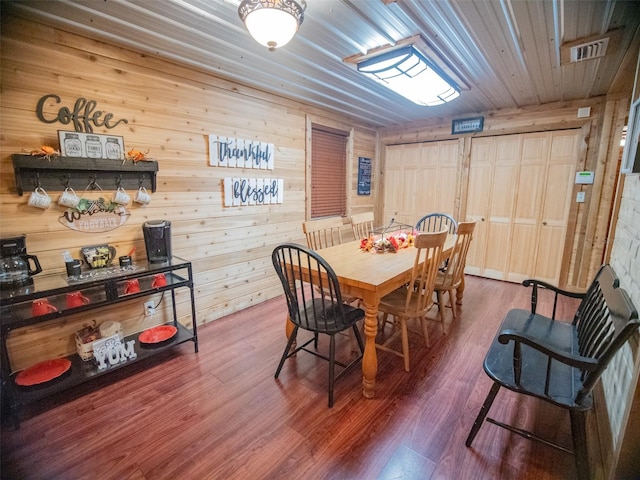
[39, 199]
[121, 197]
[142, 197]
[68, 198]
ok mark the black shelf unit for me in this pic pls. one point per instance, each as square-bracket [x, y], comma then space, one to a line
[105, 288]
[82, 173]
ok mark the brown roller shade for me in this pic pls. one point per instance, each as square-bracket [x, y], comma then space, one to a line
[328, 173]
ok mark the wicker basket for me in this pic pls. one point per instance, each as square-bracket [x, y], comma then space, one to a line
[84, 341]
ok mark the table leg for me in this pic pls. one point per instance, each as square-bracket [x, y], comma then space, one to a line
[370, 358]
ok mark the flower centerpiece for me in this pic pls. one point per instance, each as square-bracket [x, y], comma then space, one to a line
[390, 239]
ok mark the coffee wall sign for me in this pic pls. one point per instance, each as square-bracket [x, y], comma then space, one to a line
[235, 152]
[253, 191]
[83, 116]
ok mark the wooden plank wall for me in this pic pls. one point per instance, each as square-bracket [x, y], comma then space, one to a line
[600, 133]
[171, 110]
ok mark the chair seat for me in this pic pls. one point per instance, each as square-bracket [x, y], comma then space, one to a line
[325, 317]
[498, 363]
[445, 282]
[394, 304]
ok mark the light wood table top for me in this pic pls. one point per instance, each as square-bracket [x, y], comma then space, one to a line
[370, 276]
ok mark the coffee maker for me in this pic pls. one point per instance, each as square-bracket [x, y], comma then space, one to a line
[157, 240]
[16, 266]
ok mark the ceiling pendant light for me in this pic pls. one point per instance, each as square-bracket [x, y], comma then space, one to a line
[272, 23]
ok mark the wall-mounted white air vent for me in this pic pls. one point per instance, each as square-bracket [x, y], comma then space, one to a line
[587, 51]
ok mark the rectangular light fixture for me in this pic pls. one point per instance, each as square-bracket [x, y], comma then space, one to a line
[411, 74]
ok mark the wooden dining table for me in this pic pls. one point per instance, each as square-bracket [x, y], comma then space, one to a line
[369, 277]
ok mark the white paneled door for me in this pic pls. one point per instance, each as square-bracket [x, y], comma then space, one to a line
[519, 192]
[420, 178]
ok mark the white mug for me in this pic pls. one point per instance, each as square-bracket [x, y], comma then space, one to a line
[69, 198]
[121, 197]
[142, 196]
[39, 199]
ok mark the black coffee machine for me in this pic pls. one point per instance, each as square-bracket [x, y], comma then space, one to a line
[16, 266]
[157, 240]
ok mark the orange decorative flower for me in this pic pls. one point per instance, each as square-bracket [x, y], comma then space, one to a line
[46, 151]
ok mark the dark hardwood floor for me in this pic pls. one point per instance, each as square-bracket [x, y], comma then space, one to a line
[220, 414]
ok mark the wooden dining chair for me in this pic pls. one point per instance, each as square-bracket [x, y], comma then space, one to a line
[434, 222]
[315, 304]
[323, 233]
[362, 225]
[414, 299]
[449, 279]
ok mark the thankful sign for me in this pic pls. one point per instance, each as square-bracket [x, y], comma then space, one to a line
[235, 152]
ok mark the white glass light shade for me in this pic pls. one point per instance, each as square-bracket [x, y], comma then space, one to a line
[410, 74]
[272, 23]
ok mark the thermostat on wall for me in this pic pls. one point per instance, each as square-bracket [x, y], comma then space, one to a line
[584, 177]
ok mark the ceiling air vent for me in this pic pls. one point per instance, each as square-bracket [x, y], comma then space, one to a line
[587, 51]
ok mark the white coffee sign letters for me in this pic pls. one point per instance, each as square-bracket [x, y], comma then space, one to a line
[235, 152]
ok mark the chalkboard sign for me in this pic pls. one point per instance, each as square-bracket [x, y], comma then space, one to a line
[364, 176]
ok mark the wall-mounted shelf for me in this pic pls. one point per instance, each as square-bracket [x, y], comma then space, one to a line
[81, 173]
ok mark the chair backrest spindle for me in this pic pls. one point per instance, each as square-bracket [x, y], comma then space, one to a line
[434, 222]
[323, 233]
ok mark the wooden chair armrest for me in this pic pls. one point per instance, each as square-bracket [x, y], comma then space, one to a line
[573, 360]
[558, 291]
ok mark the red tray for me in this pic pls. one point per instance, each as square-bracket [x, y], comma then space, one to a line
[158, 334]
[43, 372]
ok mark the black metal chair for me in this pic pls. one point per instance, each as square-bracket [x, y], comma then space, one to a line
[560, 362]
[435, 222]
[315, 304]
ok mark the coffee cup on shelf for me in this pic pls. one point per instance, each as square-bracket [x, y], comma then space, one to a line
[125, 261]
[74, 268]
[39, 199]
[76, 299]
[132, 286]
[159, 280]
[42, 306]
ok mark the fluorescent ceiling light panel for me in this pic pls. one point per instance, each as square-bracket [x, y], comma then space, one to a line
[409, 73]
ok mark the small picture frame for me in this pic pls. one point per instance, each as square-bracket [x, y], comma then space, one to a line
[91, 145]
[467, 125]
[631, 153]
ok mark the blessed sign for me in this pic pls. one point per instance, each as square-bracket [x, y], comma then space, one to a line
[235, 152]
[252, 191]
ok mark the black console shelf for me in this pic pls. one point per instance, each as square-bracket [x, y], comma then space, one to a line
[103, 287]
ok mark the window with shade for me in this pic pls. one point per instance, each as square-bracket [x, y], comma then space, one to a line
[328, 172]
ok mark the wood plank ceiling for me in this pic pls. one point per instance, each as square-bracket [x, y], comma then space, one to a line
[509, 52]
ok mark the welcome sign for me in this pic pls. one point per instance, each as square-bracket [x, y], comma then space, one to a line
[235, 152]
[95, 216]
